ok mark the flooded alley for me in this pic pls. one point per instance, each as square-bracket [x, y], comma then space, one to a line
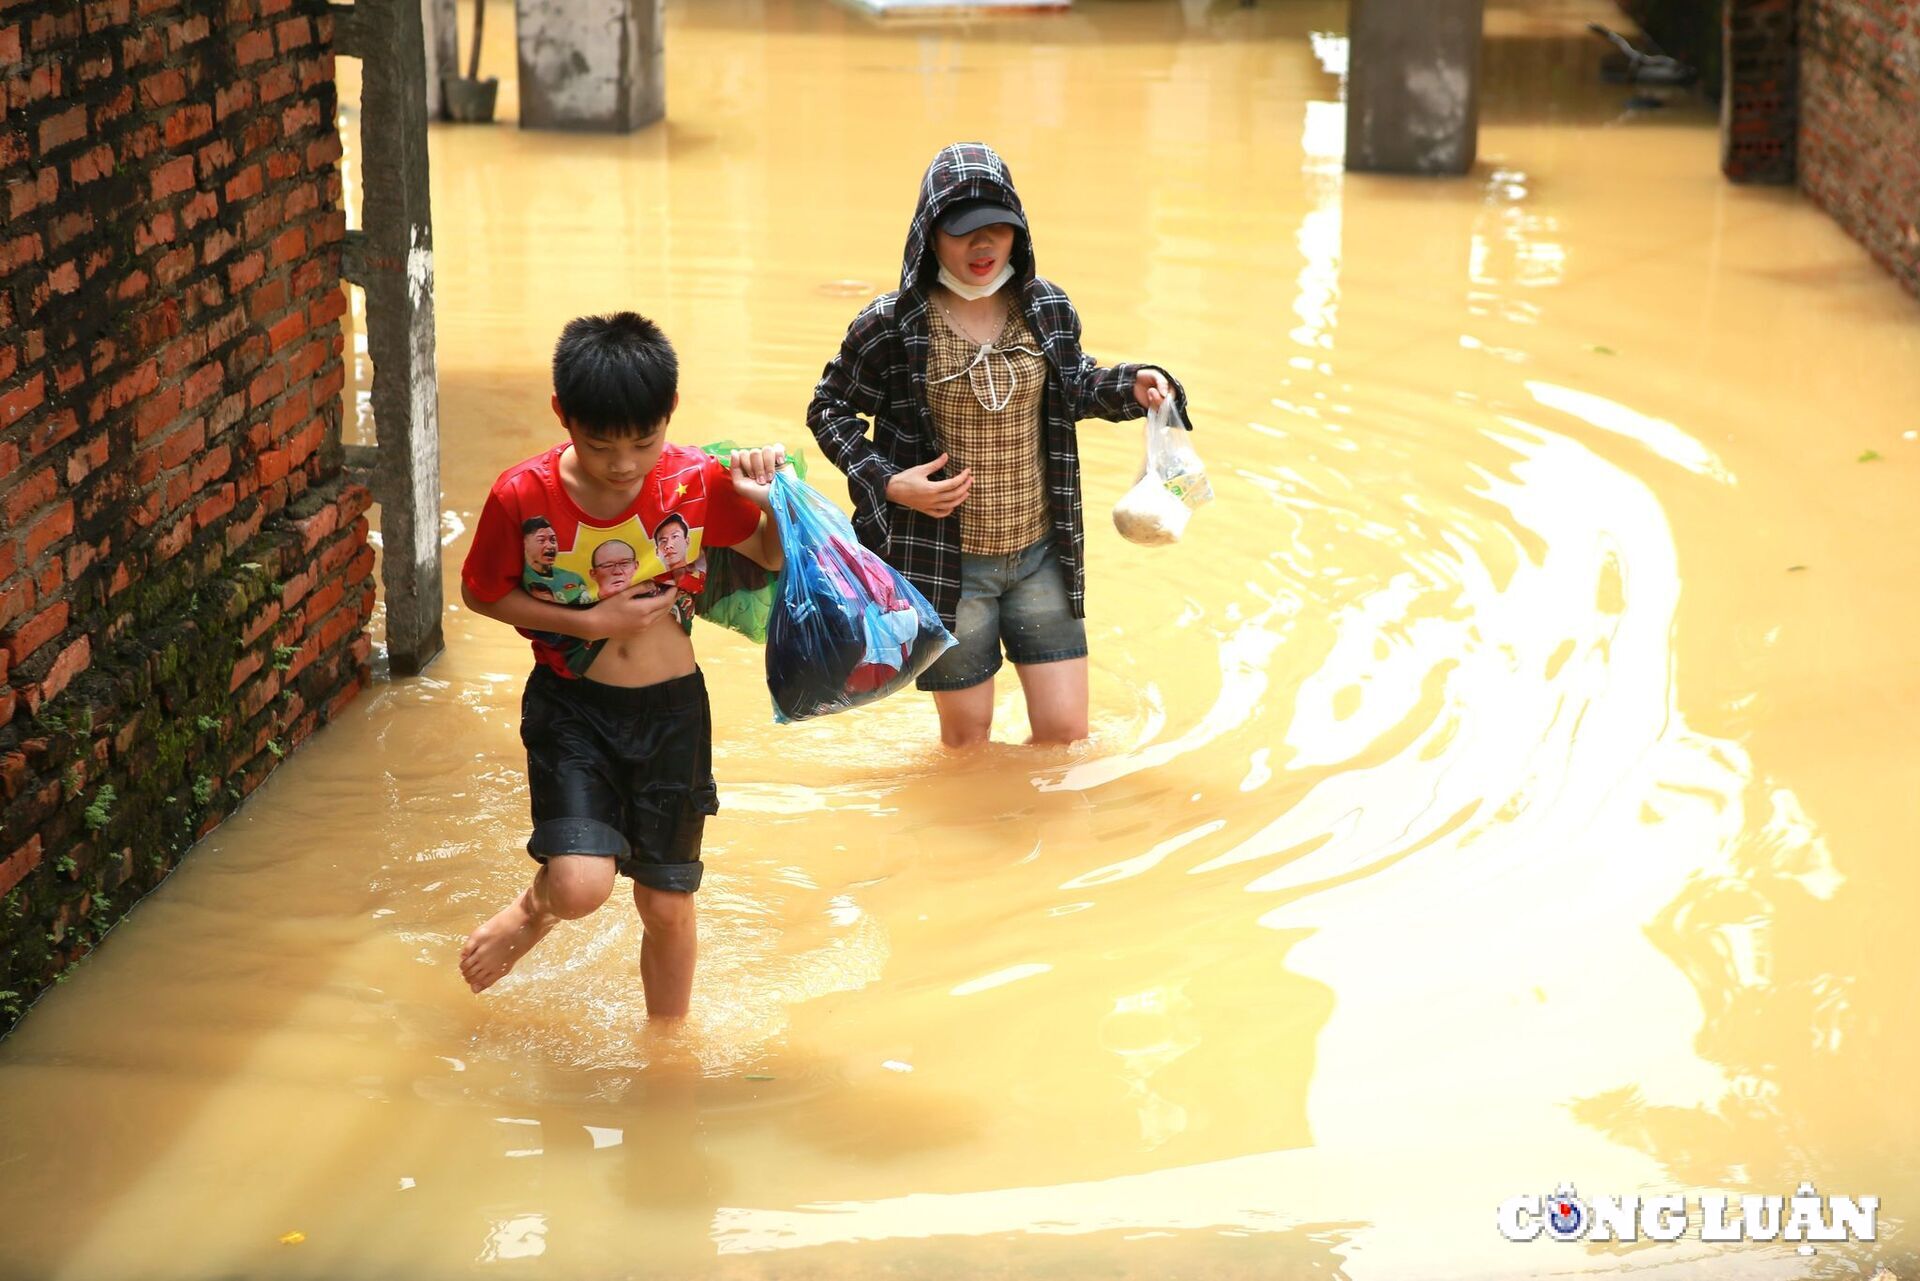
[1509, 779]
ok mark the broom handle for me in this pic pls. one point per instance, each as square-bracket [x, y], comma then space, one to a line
[479, 25]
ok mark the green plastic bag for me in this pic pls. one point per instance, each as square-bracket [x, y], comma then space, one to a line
[739, 594]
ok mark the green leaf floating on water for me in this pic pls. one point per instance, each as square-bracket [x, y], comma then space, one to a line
[1601, 349]
[756, 1076]
[1870, 456]
[1794, 569]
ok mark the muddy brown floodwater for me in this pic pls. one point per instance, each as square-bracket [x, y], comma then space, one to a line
[1511, 777]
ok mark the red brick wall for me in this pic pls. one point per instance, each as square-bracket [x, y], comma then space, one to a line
[1860, 123]
[184, 574]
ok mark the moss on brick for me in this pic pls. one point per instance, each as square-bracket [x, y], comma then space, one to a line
[152, 726]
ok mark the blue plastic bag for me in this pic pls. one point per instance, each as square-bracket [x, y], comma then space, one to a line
[846, 629]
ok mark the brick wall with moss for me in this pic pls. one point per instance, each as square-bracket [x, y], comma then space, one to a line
[1859, 123]
[184, 569]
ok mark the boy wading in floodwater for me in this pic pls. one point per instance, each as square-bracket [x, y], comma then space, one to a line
[615, 717]
[970, 484]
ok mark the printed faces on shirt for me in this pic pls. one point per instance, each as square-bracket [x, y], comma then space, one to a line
[606, 560]
[531, 537]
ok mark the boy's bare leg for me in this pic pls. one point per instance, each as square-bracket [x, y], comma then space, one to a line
[566, 888]
[966, 715]
[1057, 699]
[669, 944]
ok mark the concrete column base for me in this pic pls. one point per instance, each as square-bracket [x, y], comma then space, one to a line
[592, 65]
[1413, 85]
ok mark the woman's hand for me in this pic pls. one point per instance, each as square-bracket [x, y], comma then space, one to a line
[1150, 388]
[916, 488]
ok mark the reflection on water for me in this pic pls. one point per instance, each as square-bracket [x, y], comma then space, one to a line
[1509, 780]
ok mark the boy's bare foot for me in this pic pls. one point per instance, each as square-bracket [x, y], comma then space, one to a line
[492, 949]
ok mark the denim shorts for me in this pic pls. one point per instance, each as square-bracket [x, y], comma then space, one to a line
[1019, 601]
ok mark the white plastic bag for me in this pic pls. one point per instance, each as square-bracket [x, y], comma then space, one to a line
[1172, 483]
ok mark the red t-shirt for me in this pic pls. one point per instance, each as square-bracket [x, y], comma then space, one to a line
[533, 537]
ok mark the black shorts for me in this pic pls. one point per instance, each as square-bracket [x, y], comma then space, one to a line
[625, 774]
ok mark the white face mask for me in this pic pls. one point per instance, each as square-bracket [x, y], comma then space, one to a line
[971, 292]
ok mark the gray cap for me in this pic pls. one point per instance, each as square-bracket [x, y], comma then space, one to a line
[971, 215]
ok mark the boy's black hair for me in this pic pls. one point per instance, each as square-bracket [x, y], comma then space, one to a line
[673, 518]
[532, 523]
[615, 375]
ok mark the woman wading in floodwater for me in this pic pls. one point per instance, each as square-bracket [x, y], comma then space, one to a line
[973, 377]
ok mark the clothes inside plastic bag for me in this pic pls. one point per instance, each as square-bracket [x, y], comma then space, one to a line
[1172, 483]
[738, 594]
[845, 629]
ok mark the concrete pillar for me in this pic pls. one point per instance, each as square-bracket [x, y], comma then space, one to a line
[441, 23]
[592, 65]
[392, 259]
[1760, 97]
[1413, 85]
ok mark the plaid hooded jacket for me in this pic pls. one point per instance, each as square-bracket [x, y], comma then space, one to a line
[881, 374]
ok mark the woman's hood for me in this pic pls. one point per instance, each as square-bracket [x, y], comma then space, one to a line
[963, 171]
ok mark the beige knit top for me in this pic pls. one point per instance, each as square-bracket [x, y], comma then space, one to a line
[986, 411]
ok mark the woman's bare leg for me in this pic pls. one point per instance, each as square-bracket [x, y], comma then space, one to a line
[1057, 699]
[966, 715]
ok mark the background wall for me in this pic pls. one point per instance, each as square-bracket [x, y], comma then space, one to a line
[184, 572]
[1860, 123]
